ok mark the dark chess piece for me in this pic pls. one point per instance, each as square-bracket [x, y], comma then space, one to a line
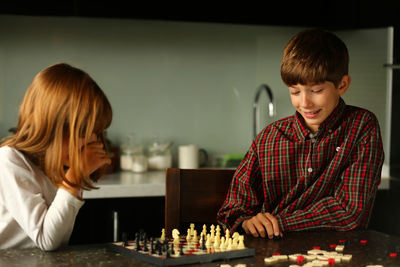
[172, 249]
[124, 239]
[181, 253]
[145, 245]
[151, 246]
[137, 240]
[159, 250]
[203, 245]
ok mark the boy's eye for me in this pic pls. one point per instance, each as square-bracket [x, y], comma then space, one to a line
[294, 92]
[317, 90]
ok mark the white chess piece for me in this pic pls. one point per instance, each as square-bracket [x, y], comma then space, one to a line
[204, 230]
[162, 238]
[188, 236]
[241, 242]
[222, 245]
[208, 242]
[227, 234]
[175, 235]
[194, 239]
[217, 242]
[229, 247]
[191, 228]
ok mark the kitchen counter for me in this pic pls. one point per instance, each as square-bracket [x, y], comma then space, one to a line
[150, 184]
[375, 251]
[129, 184]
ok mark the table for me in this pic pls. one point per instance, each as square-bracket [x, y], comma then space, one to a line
[376, 251]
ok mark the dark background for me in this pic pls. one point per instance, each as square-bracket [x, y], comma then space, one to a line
[330, 14]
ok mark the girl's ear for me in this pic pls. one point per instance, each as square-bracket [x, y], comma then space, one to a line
[344, 84]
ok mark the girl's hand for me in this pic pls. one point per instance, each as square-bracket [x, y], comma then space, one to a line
[96, 157]
[261, 225]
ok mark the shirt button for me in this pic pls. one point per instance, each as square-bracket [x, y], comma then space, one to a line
[329, 130]
[313, 140]
[309, 169]
[311, 135]
[338, 148]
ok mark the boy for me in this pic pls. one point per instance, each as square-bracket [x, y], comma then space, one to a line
[318, 169]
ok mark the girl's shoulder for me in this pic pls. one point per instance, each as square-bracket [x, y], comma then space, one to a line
[10, 156]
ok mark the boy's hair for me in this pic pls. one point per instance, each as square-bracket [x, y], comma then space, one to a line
[61, 103]
[314, 56]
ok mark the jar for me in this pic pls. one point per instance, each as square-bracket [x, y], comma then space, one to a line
[139, 163]
[159, 156]
[126, 159]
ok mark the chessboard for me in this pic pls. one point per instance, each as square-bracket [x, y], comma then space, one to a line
[184, 249]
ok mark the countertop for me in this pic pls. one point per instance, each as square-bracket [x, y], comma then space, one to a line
[150, 184]
[375, 251]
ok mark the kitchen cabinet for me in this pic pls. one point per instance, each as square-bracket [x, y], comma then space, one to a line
[95, 220]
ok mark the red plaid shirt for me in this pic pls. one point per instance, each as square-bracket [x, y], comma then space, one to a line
[327, 180]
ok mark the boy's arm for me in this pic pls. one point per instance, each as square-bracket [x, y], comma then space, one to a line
[244, 198]
[350, 205]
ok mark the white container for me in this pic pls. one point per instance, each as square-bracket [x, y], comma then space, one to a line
[189, 157]
[126, 160]
[139, 163]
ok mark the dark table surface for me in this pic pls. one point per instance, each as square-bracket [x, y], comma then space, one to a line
[376, 251]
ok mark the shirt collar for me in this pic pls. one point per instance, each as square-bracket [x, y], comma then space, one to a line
[301, 130]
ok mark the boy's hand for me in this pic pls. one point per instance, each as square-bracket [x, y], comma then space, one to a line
[261, 225]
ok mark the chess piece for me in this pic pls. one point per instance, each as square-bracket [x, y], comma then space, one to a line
[204, 230]
[241, 242]
[208, 242]
[194, 239]
[162, 238]
[217, 243]
[188, 236]
[227, 234]
[175, 235]
[229, 246]
[192, 229]
[222, 245]
[151, 246]
[212, 233]
[181, 253]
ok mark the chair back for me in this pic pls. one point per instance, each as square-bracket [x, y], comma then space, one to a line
[194, 196]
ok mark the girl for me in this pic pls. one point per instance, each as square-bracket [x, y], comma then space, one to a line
[56, 152]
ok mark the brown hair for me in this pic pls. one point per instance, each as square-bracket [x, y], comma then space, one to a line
[314, 56]
[61, 102]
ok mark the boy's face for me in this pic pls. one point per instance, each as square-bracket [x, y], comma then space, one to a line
[315, 102]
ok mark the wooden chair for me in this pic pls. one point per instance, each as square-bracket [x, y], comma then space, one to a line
[194, 196]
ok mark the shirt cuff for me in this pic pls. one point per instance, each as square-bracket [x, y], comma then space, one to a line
[71, 199]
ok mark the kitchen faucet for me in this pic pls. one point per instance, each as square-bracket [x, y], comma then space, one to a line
[256, 110]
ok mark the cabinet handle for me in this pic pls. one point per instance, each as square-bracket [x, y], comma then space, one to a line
[115, 226]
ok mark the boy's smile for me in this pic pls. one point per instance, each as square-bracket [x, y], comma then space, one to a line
[315, 102]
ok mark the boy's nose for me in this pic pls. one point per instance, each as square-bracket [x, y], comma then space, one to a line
[305, 101]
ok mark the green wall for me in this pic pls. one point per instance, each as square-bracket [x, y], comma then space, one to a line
[186, 82]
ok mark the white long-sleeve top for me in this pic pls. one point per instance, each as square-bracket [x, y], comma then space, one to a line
[33, 212]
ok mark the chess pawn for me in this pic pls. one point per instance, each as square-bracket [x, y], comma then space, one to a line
[162, 238]
[208, 242]
[241, 242]
[222, 245]
[217, 243]
[192, 229]
[235, 239]
[227, 235]
[188, 236]
[194, 239]
[229, 247]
